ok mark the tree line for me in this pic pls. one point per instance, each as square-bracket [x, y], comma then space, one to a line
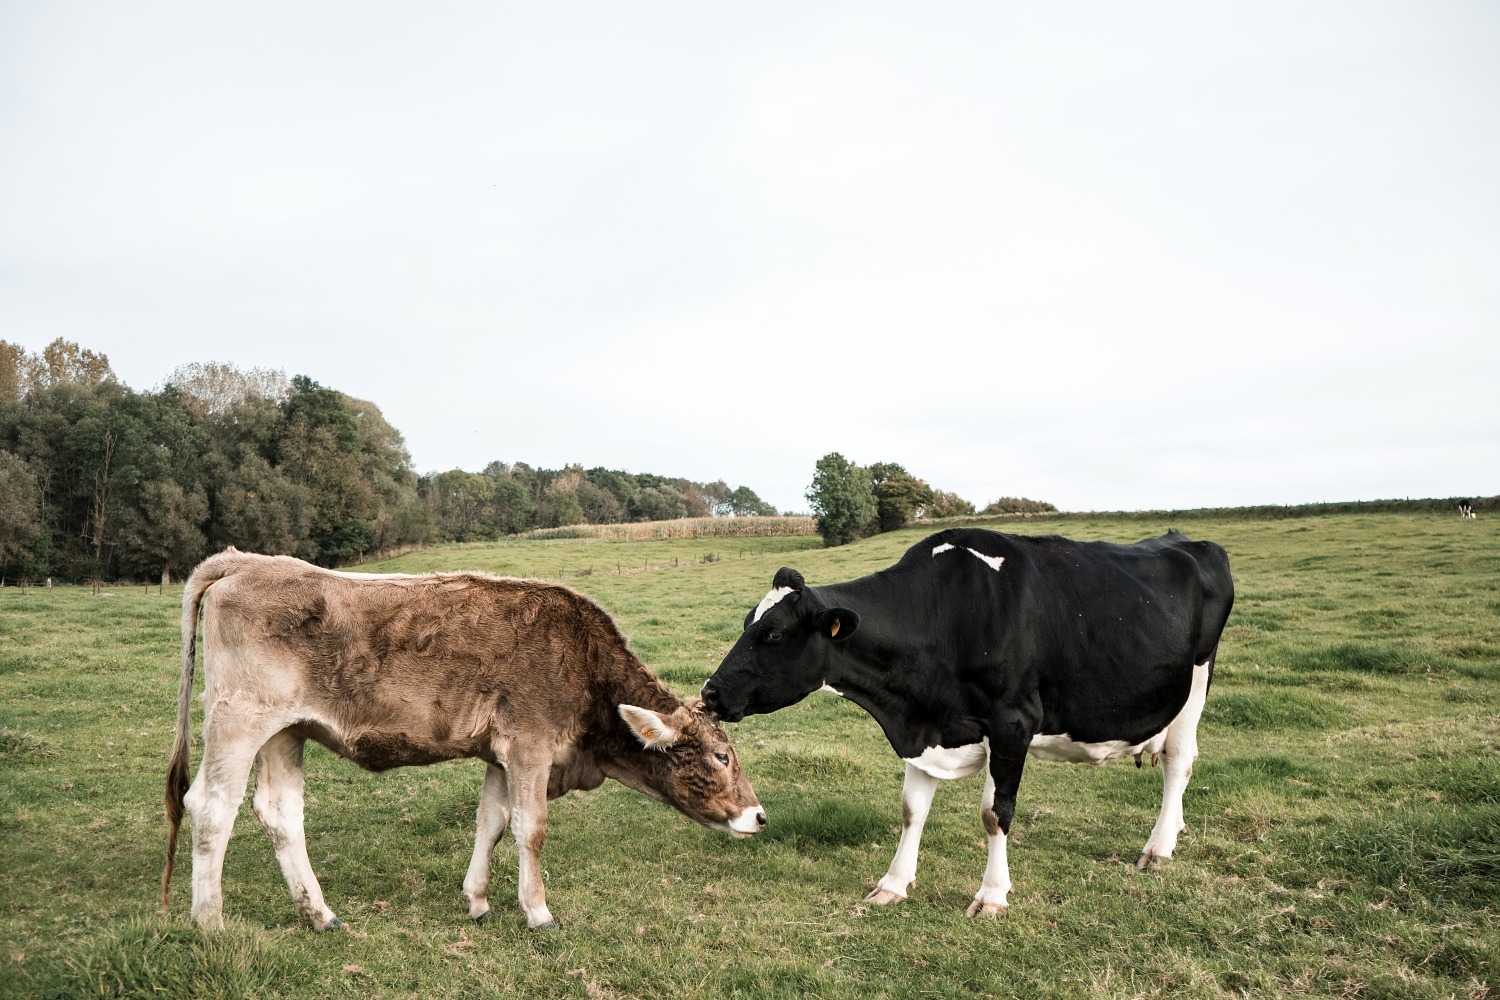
[101, 482]
[853, 501]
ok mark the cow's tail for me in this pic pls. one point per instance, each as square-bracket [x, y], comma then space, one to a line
[206, 575]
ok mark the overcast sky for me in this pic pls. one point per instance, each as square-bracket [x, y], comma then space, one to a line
[1112, 255]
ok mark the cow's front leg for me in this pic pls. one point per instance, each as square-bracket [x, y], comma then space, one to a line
[916, 801]
[997, 809]
[278, 804]
[995, 886]
[528, 802]
[489, 827]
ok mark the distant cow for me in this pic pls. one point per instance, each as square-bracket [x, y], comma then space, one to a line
[977, 648]
[1466, 508]
[532, 678]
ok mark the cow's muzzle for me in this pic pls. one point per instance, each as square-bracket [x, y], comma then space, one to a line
[715, 704]
[749, 822]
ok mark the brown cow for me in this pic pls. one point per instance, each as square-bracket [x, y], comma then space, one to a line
[532, 678]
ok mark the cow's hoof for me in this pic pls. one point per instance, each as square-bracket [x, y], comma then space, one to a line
[979, 907]
[1146, 859]
[882, 897]
[481, 918]
[334, 925]
[550, 925]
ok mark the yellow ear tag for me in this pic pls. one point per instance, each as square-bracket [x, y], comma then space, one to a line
[834, 630]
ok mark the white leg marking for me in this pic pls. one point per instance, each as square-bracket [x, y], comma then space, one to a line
[916, 801]
[995, 886]
[1179, 750]
[770, 601]
[490, 821]
[278, 804]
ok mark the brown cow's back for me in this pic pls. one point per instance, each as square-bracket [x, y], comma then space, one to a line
[398, 670]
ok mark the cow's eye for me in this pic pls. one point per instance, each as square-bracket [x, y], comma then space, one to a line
[773, 637]
[722, 758]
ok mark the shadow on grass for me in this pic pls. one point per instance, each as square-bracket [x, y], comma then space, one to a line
[1354, 657]
[827, 822]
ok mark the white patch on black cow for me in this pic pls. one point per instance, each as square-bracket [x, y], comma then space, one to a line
[952, 762]
[831, 690]
[1064, 749]
[993, 562]
[770, 601]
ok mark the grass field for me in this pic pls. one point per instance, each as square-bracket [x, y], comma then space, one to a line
[1343, 821]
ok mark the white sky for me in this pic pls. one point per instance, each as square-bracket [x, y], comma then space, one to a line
[1111, 255]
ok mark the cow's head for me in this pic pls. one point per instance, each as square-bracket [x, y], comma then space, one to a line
[783, 655]
[686, 761]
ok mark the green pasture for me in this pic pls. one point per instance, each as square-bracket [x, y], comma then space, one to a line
[1343, 820]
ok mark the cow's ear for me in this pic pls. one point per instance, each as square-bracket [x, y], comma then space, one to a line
[651, 728]
[837, 624]
[789, 578]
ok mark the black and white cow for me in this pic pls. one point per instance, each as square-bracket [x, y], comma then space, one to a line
[1466, 508]
[977, 648]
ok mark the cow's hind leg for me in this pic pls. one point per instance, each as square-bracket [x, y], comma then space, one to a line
[1178, 753]
[489, 827]
[278, 803]
[916, 801]
[229, 748]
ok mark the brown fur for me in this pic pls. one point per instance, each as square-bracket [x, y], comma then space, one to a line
[391, 671]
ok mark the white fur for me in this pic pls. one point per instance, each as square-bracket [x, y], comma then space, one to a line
[1063, 748]
[993, 562]
[770, 601]
[1178, 751]
[916, 801]
[831, 690]
[994, 887]
[955, 762]
[747, 822]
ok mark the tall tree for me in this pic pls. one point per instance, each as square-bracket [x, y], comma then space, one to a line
[744, 502]
[946, 504]
[164, 533]
[899, 497]
[318, 450]
[209, 389]
[259, 509]
[12, 372]
[842, 498]
[20, 511]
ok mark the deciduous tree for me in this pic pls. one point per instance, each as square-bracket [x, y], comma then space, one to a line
[20, 510]
[843, 499]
